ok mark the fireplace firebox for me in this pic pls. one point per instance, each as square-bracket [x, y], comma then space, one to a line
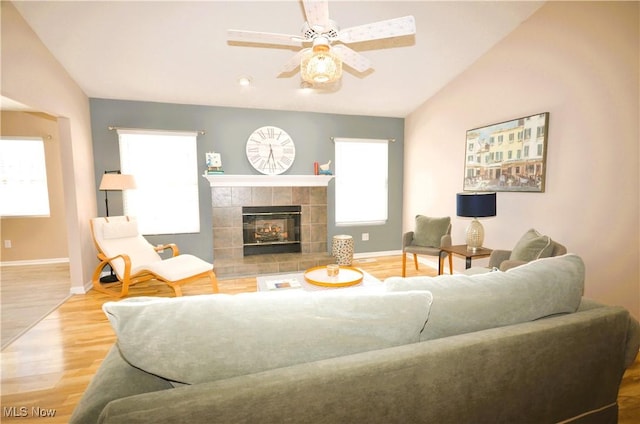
[271, 229]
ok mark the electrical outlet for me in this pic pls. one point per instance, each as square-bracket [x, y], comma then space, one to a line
[365, 236]
[7, 244]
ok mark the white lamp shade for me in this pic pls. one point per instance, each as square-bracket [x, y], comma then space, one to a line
[117, 182]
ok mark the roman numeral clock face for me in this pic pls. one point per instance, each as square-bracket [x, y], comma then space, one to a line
[270, 150]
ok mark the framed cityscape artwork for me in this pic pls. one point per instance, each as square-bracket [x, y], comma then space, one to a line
[508, 156]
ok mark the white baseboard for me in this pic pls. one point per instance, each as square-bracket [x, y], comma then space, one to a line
[82, 290]
[375, 254]
[73, 290]
[36, 262]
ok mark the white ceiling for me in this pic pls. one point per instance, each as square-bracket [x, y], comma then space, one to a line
[177, 51]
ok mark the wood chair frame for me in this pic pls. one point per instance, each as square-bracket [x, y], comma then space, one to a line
[415, 261]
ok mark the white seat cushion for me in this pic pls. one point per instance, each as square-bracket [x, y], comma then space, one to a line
[179, 267]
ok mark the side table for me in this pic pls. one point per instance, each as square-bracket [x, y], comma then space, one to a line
[342, 249]
[462, 250]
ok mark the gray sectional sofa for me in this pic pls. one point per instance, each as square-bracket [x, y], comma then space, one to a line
[518, 346]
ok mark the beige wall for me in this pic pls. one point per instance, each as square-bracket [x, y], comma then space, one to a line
[32, 76]
[580, 62]
[42, 237]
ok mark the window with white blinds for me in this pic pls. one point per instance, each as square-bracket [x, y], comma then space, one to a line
[23, 178]
[164, 165]
[361, 181]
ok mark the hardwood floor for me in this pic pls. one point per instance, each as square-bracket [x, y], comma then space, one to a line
[28, 294]
[50, 366]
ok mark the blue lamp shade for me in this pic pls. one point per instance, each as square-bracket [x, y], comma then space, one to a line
[476, 205]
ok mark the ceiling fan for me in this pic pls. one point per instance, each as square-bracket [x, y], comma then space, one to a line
[322, 62]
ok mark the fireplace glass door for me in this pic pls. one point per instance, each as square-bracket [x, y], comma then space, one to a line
[271, 229]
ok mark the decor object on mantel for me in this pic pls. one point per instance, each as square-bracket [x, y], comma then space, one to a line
[324, 169]
[321, 64]
[214, 163]
[270, 150]
[475, 205]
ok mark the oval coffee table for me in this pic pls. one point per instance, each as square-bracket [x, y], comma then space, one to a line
[348, 276]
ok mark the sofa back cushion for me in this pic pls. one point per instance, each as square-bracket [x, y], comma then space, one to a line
[194, 339]
[467, 303]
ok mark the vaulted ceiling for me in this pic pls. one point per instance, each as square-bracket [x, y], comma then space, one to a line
[177, 51]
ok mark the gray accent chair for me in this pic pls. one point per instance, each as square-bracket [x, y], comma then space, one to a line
[413, 246]
[500, 259]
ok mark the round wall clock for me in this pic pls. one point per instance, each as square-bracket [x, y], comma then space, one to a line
[270, 150]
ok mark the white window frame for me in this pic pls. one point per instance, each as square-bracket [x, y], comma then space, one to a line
[361, 181]
[164, 166]
[23, 178]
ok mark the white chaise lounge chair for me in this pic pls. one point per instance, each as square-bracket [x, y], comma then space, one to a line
[134, 259]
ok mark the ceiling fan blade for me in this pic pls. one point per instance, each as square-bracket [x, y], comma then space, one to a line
[294, 62]
[351, 57]
[264, 37]
[377, 30]
[317, 13]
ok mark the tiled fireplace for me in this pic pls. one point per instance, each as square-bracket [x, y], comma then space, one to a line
[228, 246]
[271, 229]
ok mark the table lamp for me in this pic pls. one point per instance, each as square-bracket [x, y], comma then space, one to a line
[475, 205]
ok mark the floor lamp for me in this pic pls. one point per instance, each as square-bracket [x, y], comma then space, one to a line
[475, 205]
[114, 181]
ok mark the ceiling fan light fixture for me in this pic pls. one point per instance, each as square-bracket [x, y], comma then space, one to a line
[320, 65]
[305, 85]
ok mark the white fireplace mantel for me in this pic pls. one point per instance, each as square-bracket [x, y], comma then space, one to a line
[224, 180]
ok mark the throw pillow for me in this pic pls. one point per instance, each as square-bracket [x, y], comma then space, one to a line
[464, 304]
[194, 339]
[531, 246]
[120, 229]
[429, 231]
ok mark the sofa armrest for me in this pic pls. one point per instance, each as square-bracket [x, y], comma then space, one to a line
[633, 342]
[115, 379]
[497, 256]
[632, 345]
[587, 304]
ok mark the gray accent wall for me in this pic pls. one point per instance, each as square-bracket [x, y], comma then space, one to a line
[226, 132]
